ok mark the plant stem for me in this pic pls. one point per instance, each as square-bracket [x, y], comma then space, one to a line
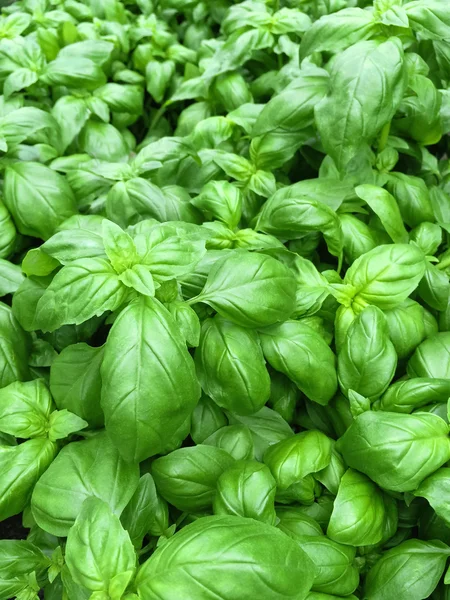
[384, 135]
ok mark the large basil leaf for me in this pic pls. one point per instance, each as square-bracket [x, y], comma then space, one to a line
[367, 86]
[83, 289]
[386, 275]
[292, 217]
[338, 31]
[75, 381]
[367, 360]
[187, 477]
[38, 198]
[432, 358]
[21, 467]
[358, 512]
[82, 469]
[251, 290]
[397, 451]
[149, 382]
[246, 489]
[407, 395]
[295, 349]
[98, 548]
[238, 381]
[271, 564]
[395, 574]
[296, 457]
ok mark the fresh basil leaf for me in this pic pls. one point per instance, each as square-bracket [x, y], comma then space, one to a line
[369, 77]
[38, 198]
[228, 537]
[146, 329]
[85, 288]
[82, 469]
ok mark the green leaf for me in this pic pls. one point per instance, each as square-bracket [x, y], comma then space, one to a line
[37, 262]
[85, 288]
[267, 428]
[19, 125]
[377, 442]
[434, 287]
[38, 198]
[405, 396]
[82, 469]
[386, 209]
[21, 78]
[235, 166]
[21, 467]
[367, 78]
[74, 72]
[10, 277]
[146, 512]
[394, 575]
[339, 31]
[296, 457]
[158, 76]
[15, 347]
[75, 382]
[431, 358]
[98, 548]
[63, 423]
[292, 217]
[358, 513]
[119, 246]
[413, 198]
[187, 320]
[429, 18]
[168, 255]
[75, 242]
[246, 489]
[301, 354]
[358, 403]
[145, 331]
[25, 409]
[140, 279]
[71, 113]
[231, 368]
[122, 98]
[221, 200]
[367, 360]
[251, 290]
[386, 275]
[336, 572]
[96, 50]
[187, 477]
[237, 440]
[275, 566]
[19, 558]
[103, 141]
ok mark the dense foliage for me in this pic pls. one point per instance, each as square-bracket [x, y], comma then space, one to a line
[225, 327]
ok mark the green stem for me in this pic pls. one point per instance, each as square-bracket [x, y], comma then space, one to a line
[158, 116]
[384, 135]
[340, 260]
[148, 547]
[181, 518]
[194, 300]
